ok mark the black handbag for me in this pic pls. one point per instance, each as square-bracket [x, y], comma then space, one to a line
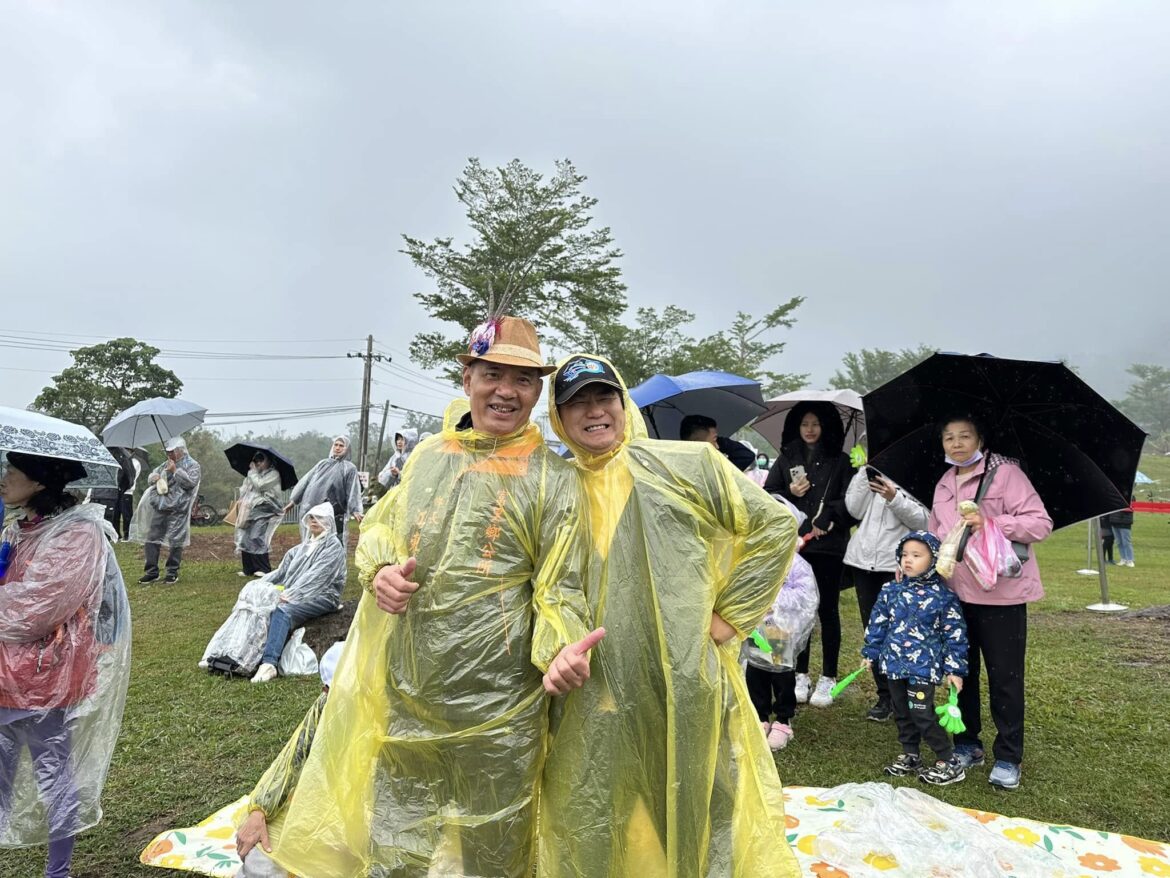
[226, 667]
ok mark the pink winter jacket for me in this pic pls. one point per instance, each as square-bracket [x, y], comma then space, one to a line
[1017, 509]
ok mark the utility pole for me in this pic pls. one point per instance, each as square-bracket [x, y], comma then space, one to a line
[382, 434]
[368, 357]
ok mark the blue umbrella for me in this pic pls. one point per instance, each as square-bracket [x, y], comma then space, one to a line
[733, 401]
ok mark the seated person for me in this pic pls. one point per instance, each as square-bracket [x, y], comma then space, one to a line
[307, 584]
[277, 783]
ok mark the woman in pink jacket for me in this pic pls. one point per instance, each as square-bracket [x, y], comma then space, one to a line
[997, 620]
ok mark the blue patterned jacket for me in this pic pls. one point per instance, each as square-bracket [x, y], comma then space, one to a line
[916, 631]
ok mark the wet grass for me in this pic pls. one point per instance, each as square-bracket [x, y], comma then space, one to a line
[1096, 732]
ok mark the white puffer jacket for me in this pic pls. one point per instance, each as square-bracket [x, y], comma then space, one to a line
[873, 544]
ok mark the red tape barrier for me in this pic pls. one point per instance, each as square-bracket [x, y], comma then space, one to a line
[1151, 507]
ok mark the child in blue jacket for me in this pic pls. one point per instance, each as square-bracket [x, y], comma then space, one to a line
[917, 635]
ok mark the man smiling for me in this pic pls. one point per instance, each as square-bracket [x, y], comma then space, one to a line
[657, 765]
[430, 751]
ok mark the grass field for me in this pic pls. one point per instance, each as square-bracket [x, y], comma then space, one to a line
[1097, 727]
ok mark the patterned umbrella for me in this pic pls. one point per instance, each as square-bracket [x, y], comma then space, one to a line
[34, 433]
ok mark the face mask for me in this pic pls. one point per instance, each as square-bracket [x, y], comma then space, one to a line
[975, 458]
[762, 462]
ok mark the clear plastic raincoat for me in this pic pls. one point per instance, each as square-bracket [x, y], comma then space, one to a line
[260, 511]
[398, 459]
[306, 579]
[428, 755]
[64, 669]
[657, 765]
[333, 480]
[165, 518]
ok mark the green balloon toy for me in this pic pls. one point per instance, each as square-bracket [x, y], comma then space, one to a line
[857, 457]
[840, 687]
[949, 715]
[762, 642]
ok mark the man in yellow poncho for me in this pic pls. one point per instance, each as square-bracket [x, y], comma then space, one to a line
[657, 765]
[429, 752]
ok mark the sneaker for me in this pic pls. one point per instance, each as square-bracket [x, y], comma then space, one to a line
[880, 712]
[264, 673]
[779, 736]
[1005, 775]
[241, 573]
[969, 756]
[171, 578]
[906, 763]
[148, 578]
[1128, 563]
[823, 696]
[258, 573]
[803, 685]
[942, 773]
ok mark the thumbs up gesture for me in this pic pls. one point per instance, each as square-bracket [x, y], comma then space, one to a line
[570, 669]
[393, 588]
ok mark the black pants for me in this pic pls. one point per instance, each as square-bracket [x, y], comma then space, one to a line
[869, 584]
[827, 569]
[255, 562]
[998, 634]
[174, 559]
[1107, 544]
[123, 512]
[913, 705]
[772, 692]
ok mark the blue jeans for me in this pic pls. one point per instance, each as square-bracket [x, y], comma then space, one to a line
[1123, 536]
[279, 627]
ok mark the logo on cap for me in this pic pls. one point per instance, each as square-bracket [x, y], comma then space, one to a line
[581, 367]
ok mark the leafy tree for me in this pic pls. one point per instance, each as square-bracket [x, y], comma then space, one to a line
[867, 369]
[423, 423]
[533, 247]
[1147, 402]
[105, 379]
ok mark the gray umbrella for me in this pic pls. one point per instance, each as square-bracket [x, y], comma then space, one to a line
[153, 420]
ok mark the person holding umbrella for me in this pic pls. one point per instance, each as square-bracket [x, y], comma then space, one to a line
[333, 480]
[258, 515]
[997, 620]
[812, 472]
[64, 658]
[164, 512]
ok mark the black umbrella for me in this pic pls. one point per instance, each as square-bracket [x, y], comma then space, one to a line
[240, 456]
[1079, 451]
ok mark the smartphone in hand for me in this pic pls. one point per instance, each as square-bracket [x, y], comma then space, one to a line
[797, 473]
[872, 474]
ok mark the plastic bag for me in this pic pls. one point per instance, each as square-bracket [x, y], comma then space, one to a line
[923, 837]
[241, 637]
[789, 622]
[259, 865]
[948, 552]
[298, 658]
[989, 555]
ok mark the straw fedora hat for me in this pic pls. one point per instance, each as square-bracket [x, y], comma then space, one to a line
[510, 341]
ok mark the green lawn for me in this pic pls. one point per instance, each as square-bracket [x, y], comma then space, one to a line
[1096, 740]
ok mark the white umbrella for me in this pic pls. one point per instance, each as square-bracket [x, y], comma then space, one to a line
[770, 424]
[34, 433]
[152, 420]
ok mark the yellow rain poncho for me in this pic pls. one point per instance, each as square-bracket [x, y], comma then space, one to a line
[657, 765]
[428, 754]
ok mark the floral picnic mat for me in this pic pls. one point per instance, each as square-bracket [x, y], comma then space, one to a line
[812, 813]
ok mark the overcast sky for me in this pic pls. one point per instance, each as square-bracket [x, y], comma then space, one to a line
[981, 176]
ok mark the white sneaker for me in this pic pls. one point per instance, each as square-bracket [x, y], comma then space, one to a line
[803, 684]
[823, 697]
[779, 736]
[264, 673]
[241, 573]
[1128, 563]
[258, 573]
